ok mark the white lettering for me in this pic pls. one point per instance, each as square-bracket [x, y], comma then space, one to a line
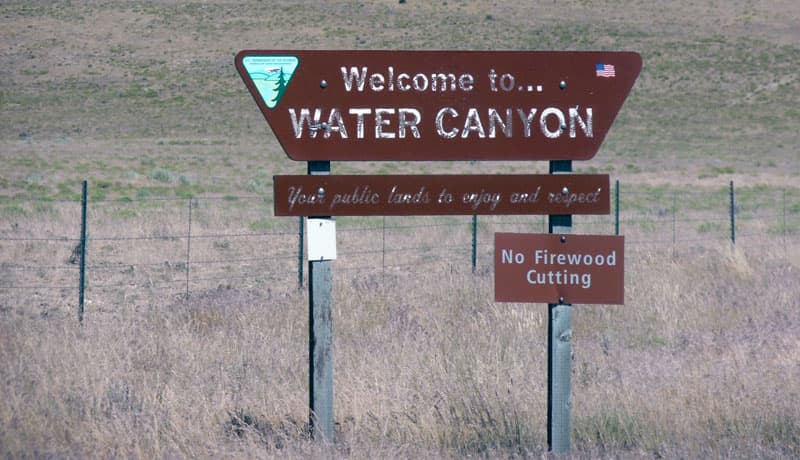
[449, 123]
[495, 119]
[356, 78]
[376, 82]
[540, 278]
[466, 82]
[359, 79]
[543, 122]
[506, 82]
[380, 122]
[420, 82]
[400, 84]
[305, 117]
[509, 256]
[525, 197]
[440, 123]
[440, 80]
[335, 125]
[584, 280]
[473, 124]
[586, 126]
[297, 196]
[545, 257]
[476, 199]
[359, 113]
[492, 80]
[408, 119]
[526, 121]
[397, 197]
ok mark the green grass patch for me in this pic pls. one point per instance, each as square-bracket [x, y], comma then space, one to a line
[10, 210]
[34, 72]
[265, 224]
[258, 186]
[782, 431]
[126, 213]
[44, 207]
[761, 197]
[33, 186]
[609, 429]
[68, 191]
[152, 192]
[711, 227]
[188, 190]
[716, 171]
[163, 175]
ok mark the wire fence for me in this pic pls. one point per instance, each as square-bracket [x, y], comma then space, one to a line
[139, 250]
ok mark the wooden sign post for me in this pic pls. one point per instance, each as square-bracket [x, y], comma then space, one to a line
[320, 322]
[559, 345]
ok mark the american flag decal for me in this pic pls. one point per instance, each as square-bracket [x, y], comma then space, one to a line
[605, 70]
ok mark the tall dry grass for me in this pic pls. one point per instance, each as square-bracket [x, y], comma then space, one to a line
[702, 361]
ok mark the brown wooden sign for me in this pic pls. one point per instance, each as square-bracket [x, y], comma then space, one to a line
[439, 105]
[395, 195]
[555, 269]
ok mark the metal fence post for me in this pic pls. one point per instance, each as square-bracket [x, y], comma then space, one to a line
[300, 253]
[616, 207]
[383, 247]
[82, 282]
[733, 218]
[188, 247]
[783, 221]
[474, 241]
[674, 220]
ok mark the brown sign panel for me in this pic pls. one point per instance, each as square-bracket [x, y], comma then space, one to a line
[439, 105]
[396, 195]
[572, 269]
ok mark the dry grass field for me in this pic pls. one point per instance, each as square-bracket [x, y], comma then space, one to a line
[142, 100]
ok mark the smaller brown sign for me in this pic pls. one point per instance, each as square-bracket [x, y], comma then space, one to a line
[571, 269]
[402, 195]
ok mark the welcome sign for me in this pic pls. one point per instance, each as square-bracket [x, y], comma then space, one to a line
[439, 105]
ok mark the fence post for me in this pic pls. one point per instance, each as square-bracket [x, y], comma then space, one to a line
[383, 247]
[616, 207]
[559, 346]
[674, 219]
[474, 241]
[320, 318]
[188, 247]
[783, 221]
[733, 219]
[300, 254]
[82, 282]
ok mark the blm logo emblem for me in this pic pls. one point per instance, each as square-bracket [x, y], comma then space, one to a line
[271, 75]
